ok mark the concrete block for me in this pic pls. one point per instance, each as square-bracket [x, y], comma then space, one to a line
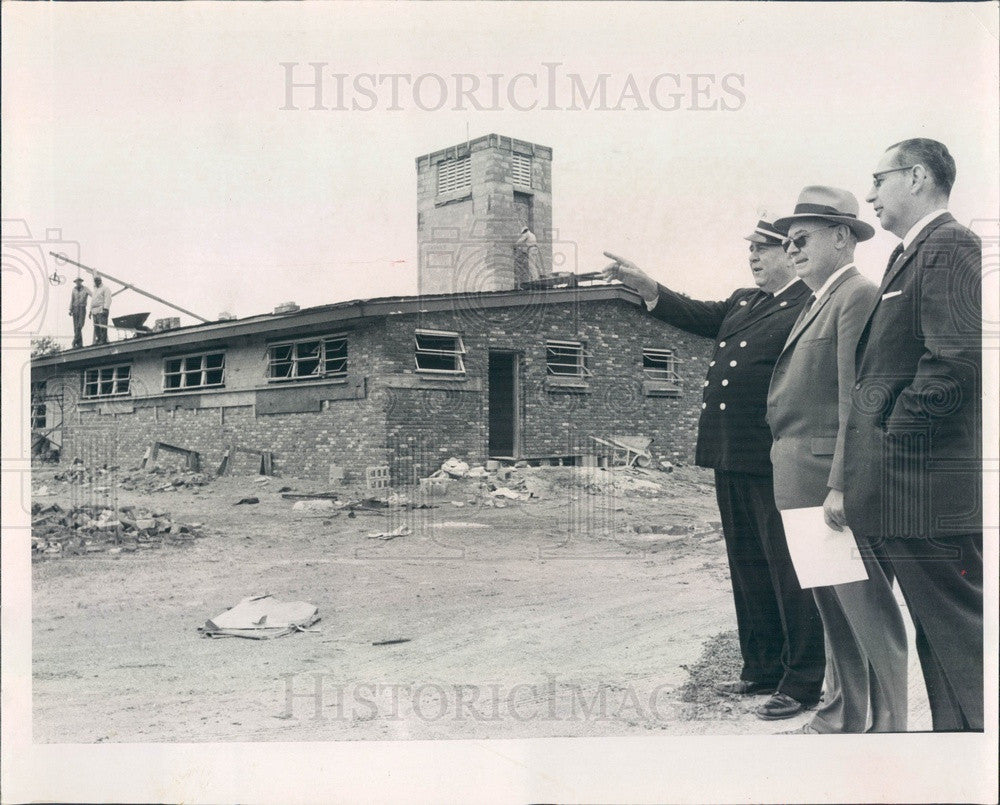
[434, 486]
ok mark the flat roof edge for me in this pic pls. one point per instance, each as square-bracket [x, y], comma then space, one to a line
[339, 313]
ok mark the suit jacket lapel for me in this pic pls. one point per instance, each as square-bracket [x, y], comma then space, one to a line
[909, 252]
[807, 317]
[891, 274]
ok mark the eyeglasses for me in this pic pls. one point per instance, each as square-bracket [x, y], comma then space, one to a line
[801, 240]
[878, 178]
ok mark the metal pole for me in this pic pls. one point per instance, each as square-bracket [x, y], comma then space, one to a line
[126, 286]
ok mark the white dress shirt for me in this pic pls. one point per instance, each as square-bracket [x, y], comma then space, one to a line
[829, 281]
[918, 227]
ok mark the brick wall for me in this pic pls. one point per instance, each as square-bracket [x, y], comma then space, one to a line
[450, 420]
[406, 420]
[348, 432]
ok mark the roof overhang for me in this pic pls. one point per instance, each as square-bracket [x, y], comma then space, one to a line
[344, 314]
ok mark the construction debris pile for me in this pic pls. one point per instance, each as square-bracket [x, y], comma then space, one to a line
[58, 532]
[498, 485]
[79, 474]
[159, 479]
[155, 479]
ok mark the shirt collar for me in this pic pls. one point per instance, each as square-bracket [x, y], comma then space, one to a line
[784, 288]
[830, 280]
[917, 228]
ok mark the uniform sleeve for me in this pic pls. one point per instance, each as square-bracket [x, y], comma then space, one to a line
[851, 321]
[947, 377]
[692, 315]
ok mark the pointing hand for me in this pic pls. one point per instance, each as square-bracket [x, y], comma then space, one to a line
[628, 273]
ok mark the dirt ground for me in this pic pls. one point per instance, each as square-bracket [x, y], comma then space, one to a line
[573, 613]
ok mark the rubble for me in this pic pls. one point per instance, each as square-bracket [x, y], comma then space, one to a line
[160, 480]
[435, 484]
[401, 531]
[78, 474]
[497, 485]
[156, 479]
[312, 504]
[455, 468]
[58, 532]
[510, 494]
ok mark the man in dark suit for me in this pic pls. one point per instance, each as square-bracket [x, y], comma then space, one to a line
[912, 479]
[781, 635]
[807, 409]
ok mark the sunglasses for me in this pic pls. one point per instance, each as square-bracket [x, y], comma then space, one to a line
[801, 240]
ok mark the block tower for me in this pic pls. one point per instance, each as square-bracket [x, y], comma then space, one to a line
[473, 199]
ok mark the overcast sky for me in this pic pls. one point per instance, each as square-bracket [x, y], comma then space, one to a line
[152, 135]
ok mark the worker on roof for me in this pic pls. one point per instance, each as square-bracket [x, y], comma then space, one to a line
[528, 260]
[100, 307]
[78, 310]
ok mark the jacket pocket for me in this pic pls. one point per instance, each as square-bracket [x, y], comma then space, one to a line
[823, 446]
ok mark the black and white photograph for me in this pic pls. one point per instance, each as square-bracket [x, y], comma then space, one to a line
[500, 401]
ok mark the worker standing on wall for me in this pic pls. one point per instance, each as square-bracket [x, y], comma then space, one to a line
[100, 306]
[78, 310]
[529, 259]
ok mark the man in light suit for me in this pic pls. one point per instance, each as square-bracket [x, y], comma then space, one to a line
[780, 631]
[807, 408]
[913, 472]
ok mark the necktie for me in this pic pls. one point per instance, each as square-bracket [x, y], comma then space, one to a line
[763, 297]
[894, 256]
[805, 311]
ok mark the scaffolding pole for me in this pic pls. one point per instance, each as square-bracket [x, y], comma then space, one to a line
[127, 286]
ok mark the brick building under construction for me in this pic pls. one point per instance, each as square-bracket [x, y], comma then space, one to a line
[473, 367]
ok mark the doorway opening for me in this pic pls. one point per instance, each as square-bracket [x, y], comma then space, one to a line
[504, 426]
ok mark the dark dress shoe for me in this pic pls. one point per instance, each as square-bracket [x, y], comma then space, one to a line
[781, 705]
[743, 687]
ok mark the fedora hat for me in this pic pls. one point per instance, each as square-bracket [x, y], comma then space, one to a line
[78, 281]
[766, 233]
[830, 204]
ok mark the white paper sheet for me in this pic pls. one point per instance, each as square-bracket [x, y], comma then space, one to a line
[821, 556]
